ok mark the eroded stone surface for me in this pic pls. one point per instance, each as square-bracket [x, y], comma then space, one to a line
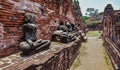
[111, 34]
[12, 17]
[58, 57]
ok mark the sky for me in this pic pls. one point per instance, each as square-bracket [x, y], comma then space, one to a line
[98, 4]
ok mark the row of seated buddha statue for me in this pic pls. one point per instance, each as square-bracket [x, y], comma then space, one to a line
[65, 33]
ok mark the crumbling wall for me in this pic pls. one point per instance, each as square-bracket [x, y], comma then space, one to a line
[47, 12]
[59, 57]
[111, 34]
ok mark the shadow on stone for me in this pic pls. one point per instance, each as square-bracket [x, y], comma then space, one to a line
[42, 48]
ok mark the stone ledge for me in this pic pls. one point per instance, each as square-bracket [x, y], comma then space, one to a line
[58, 57]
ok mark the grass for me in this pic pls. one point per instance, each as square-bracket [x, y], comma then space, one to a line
[82, 49]
[95, 22]
[107, 59]
[89, 21]
[85, 18]
[94, 34]
[77, 61]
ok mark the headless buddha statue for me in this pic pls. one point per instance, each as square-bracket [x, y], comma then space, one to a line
[30, 42]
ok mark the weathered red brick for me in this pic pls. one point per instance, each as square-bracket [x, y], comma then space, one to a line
[12, 17]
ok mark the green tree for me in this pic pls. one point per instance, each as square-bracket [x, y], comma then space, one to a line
[85, 18]
[91, 11]
[73, 2]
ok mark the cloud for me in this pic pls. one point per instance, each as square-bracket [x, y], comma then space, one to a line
[98, 4]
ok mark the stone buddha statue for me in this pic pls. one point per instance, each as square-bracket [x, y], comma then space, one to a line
[63, 33]
[30, 42]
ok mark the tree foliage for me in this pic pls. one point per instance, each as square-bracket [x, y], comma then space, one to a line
[85, 18]
[91, 12]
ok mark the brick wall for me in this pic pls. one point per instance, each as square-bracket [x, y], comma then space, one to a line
[12, 17]
[59, 57]
[111, 34]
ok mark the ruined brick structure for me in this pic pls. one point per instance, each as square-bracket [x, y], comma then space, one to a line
[111, 34]
[78, 15]
[47, 12]
[77, 11]
[59, 57]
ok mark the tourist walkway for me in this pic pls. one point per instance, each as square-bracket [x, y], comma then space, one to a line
[92, 55]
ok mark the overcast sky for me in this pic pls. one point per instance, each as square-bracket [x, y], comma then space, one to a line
[98, 4]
